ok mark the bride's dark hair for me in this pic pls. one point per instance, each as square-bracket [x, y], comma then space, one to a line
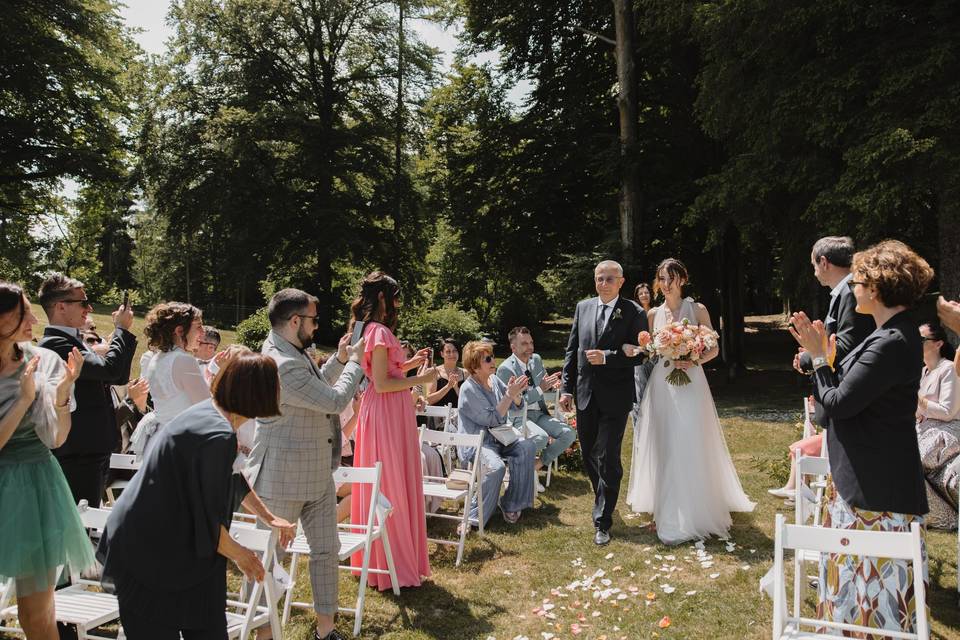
[366, 306]
[674, 268]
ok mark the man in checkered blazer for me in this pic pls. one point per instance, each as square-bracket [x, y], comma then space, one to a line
[294, 455]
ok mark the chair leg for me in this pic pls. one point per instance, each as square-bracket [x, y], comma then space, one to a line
[362, 591]
[549, 470]
[464, 527]
[288, 599]
[385, 541]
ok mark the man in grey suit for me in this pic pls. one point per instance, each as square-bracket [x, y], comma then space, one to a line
[294, 454]
[540, 424]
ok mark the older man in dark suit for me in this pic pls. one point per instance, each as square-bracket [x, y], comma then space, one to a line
[85, 456]
[598, 372]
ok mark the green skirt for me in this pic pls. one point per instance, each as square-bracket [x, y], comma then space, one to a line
[40, 528]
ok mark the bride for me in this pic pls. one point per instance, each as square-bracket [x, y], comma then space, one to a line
[681, 471]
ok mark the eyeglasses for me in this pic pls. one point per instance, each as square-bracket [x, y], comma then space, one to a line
[212, 344]
[302, 315]
[928, 339]
[488, 359]
[605, 279]
[93, 340]
[83, 301]
[853, 283]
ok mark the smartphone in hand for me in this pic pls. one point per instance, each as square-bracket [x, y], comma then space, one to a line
[357, 332]
[126, 298]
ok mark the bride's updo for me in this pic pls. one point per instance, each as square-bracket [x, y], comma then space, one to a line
[674, 268]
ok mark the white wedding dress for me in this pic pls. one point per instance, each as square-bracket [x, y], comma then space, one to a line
[681, 471]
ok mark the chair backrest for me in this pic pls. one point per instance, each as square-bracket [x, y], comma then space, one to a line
[257, 540]
[435, 411]
[370, 476]
[124, 461]
[807, 466]
[456, 439]
[94, 519]
[808, 428]
[877, 544]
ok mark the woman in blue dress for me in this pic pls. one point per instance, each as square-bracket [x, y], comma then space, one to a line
[40, 529]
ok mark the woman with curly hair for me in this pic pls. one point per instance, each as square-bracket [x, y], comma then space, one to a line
[387, 432]
[870, 397]
[176, 382]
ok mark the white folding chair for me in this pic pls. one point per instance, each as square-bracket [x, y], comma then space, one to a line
[876, 544]
[554, 396]
[448, 413]
[123, 462]
[248, 614]
[353, 538]
[808, 503]
[436, 487]
[77, 604]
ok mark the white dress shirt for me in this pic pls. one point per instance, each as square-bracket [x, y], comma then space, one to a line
[609, 312]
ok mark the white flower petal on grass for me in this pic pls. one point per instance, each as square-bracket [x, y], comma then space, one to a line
[508, 572]
[714, 576]
[690, 593]
[608, 556]
[745, 567]
[546, 635]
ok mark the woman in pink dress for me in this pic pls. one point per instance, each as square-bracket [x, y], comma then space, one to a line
[387, 433]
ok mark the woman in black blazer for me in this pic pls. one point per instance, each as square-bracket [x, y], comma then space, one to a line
[871, 400]
[166, 544]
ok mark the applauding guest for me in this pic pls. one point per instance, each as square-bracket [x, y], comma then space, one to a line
[85, 456]
[446, 389]
[39, 527]
[176, 381]
[523, 362]
[387, 433]
[870, 400]
[166, 544]
[484, 403]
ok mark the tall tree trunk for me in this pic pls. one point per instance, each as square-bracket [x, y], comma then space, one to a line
[398, 142]
[627, 104]
[948, 223]
[731, 341]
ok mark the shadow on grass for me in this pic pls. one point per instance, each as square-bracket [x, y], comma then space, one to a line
[435, 612]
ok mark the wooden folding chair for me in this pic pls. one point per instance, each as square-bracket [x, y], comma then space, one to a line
[875, 544]
[353, 538]
[79, 604]
[123, 462]
[246, 615]
[436, 487]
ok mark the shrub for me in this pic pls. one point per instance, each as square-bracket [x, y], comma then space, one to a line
[254, 329]
[426, 328]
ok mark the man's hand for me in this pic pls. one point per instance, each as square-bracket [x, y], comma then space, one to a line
[551, 382]
[949, 312]
[342, 355]
[354, 352]
[123, 317]
[630, 350]
[796, 361]
[566, 402]
[595, 356]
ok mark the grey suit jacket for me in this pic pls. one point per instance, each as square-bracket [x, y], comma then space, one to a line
[294, 454]
[513, 367]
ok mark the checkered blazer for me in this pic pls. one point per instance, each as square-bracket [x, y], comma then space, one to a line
[294, 454]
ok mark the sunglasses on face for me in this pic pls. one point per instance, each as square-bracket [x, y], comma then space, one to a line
[488, 359]
[92, 340]
[83, 302]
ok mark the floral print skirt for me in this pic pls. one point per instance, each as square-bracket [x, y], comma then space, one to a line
[871, 592]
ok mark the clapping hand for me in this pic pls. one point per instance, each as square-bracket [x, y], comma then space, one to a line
[516, 386]
[28, 385]
[73, 365]
[137, 391]
[551, 382]
[796, 361]
[949, 313]
[812, 336]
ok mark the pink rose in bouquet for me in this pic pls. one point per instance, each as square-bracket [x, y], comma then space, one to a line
[681, 341]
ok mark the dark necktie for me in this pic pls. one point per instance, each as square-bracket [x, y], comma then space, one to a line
[600, 318]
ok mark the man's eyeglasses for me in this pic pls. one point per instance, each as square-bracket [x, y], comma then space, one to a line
[303, 315]
[91, 340]
[605, 279]
[928, 339]
[82, 301]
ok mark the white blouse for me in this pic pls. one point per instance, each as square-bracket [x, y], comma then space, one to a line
[176, 383]
[941, 389]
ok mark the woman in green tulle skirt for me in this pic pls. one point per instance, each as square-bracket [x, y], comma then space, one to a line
[40, 529]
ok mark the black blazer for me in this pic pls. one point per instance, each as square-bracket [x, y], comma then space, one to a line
[611, 383]
[871, 402]
[94, 423]
[850, 327]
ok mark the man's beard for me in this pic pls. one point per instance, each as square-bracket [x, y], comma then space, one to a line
[305, 338]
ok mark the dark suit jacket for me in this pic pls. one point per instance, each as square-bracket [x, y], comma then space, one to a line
[611, 383]
[850, 327]
[871, 402]
[94, 423]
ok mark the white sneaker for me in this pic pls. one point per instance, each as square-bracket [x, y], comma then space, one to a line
[782, 493]
[540, 487]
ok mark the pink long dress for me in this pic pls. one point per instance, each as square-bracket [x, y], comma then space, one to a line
[387, 433]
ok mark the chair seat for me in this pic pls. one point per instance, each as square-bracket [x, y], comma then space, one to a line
[434, 490]
[792, 633]
[350, 543]
[299, 545]
[87, 608]
[119, 484]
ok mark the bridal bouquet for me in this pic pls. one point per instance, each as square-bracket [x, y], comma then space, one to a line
[679, 341]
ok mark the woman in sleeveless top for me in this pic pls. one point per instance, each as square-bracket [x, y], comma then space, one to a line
[40, 529]
[449, 377]
[682, 472]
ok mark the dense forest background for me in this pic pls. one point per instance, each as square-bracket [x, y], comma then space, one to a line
[305, 142]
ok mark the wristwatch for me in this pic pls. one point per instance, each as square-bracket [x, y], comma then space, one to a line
[819, 362]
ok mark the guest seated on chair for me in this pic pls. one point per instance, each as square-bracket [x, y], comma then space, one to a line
[484, 402]
[938, 426]
[541, 426]
[446, 389]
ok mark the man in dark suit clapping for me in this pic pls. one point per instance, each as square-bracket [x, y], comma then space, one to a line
[94, 436]
[598, 372]
[831, 258]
